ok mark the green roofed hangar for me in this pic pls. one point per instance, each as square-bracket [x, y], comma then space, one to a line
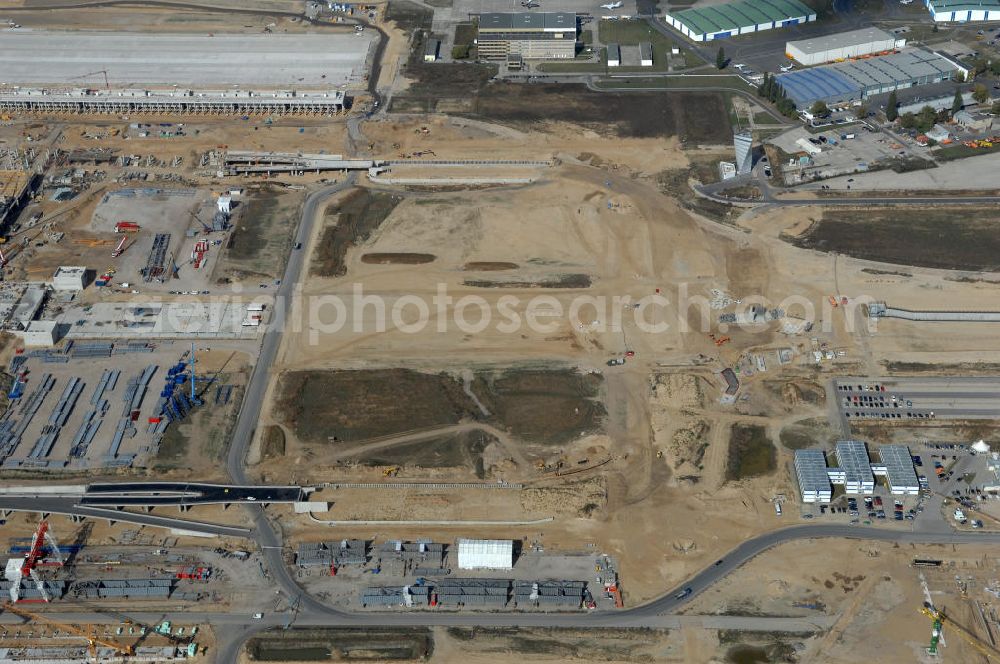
[960, 11]
[739, 18]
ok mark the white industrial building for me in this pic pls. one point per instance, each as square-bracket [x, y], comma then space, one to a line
[614, 55]
[842, 46]
[814, 480]
[959, 11]
[485, 554]
[897, 469]
[69, 278]
[855, 470]
[40, 333]
[645, 54]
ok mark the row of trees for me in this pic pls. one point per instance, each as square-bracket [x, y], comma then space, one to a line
[770, 90]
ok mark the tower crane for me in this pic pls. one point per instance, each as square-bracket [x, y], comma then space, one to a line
[93, 73]
[32, 559]
[208, 229]
[121, 649]
[968, 635]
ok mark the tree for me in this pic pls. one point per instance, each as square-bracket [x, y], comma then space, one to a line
[957, 103]
[863, 110]
[979, 66]
[776, 92]
[787, 107]
[819, 109]
[980, 93]
[892, 107]
[720, 58]
[908, 121]
[764, 89]
[926, 118]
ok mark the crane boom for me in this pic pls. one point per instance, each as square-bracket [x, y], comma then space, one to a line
[107, 86]
[92, 639]
[968, 635]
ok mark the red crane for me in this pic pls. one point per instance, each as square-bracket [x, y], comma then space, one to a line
[36, 556]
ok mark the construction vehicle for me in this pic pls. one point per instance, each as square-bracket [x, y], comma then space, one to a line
[968, 635]
[719, 341]
[208, 229]
[121, 649]
[194, 573]
[391, 471]
[833, 302]
[121, 247]
[126, 227]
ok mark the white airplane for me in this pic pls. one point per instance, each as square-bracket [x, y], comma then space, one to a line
[788, 67]
[612, 5]
[739, 65]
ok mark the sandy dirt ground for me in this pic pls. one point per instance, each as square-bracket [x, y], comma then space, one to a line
[597, 212]
[875, 591]
[665, 501]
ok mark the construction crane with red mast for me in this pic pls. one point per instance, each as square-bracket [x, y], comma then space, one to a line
[24, 569]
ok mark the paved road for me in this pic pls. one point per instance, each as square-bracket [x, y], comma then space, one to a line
[69, 506]
[253, 402]
[652, 614]
[186, 493]
[753, 623]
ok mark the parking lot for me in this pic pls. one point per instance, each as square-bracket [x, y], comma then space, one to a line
[950, 477]
[868, 509]
[914, 399]
[842, 149]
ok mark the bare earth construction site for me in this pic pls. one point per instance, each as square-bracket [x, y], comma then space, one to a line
[366, 332]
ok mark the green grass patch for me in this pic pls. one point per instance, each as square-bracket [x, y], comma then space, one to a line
[585, 67]
[722, 82]
[628, 33]
[961, 152]
[762, 118]
[751, 453]
[465, 33]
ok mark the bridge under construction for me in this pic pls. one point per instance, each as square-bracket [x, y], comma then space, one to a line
[174, 102]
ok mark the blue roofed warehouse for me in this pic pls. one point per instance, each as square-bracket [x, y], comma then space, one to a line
[847, 82]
